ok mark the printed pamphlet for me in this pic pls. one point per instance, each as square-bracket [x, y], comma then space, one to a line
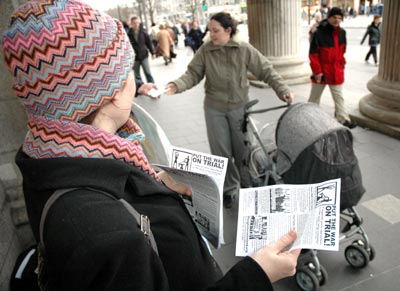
[205, 175]
[267, 213]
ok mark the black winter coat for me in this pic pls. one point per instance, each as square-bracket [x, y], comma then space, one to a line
[142, 46]
[196, 36]
[93, 243]
[374, 33]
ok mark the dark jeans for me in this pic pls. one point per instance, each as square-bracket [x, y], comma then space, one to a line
[372, 51]
[146, 69]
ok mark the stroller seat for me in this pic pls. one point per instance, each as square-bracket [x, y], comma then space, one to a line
[313, 147]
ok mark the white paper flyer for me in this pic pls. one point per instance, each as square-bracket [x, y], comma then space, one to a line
[205, 175]
[267, 213]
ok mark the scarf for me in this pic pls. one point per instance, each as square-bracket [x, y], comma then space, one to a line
[53, 138]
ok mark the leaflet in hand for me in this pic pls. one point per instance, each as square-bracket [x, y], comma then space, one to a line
[267, 213]
[156, 93]
[205, 175]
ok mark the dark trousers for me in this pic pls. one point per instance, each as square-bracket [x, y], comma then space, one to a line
[226, 139]
[372, 51]
[146, 69]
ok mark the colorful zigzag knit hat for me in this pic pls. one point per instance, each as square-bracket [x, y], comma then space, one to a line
[66, 58]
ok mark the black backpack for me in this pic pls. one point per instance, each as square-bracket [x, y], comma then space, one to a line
[30, 268]
[24, 276]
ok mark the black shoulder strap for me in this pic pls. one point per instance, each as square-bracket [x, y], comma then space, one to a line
[142, 220]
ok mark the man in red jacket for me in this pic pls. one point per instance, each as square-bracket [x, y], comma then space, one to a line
[327, 48]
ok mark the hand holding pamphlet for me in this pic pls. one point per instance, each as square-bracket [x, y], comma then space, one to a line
[267, 213]
[156, 93]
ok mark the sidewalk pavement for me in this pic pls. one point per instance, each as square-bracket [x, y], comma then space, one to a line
[181, 117]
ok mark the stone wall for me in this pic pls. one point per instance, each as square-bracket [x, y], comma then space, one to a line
[15, 233]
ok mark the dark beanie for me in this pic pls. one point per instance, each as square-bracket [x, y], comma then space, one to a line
[335, 11]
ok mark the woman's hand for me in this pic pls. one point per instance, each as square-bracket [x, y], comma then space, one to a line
[173, 185]
[275, 262]
[171, 89]
[145, 88]
[288, 98]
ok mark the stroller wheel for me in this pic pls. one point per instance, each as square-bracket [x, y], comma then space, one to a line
[306, 279]
[324, 276]
[356, 255]
[372, 253]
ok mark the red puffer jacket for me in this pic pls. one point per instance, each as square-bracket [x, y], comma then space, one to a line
[327, 48]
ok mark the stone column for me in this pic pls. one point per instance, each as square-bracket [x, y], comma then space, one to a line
[15, 232]
[383, 104]
[12, 116]
[275, 30]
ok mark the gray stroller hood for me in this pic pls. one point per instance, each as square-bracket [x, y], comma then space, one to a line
[313, 147]
[299, 127]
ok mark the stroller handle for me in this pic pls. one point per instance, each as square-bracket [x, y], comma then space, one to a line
[250, 104]
[248, 112]
[254, 102]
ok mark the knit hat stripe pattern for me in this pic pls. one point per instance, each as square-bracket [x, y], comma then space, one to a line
[67, 59]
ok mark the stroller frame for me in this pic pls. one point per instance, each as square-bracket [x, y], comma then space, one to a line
[310, 274]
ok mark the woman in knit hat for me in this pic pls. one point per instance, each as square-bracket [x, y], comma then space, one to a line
[71, 68]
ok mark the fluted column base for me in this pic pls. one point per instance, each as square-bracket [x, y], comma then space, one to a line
[380, 110]
[383, 104]
[292, 69]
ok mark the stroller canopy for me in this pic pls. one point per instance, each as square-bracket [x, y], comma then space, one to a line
[313, 147]
[299, 127]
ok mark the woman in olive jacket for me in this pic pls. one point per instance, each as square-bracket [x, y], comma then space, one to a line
[224, 62]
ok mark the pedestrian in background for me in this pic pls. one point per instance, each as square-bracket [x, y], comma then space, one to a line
[195, 36]
[176, 32]
[174, 37]
[142, 45]
[185, 30]
[118, 226]
[126, 26]
[327, 61]
[374, 33]
[324, 11]
[164, 44]
[224, 61]
[317, 21]
[153, 35]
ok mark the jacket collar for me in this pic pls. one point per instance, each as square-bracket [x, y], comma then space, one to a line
[230, 43]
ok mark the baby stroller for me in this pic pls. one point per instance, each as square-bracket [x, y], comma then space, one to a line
[311, 147]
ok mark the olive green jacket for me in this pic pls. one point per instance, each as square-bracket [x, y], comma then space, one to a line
[225, 69]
